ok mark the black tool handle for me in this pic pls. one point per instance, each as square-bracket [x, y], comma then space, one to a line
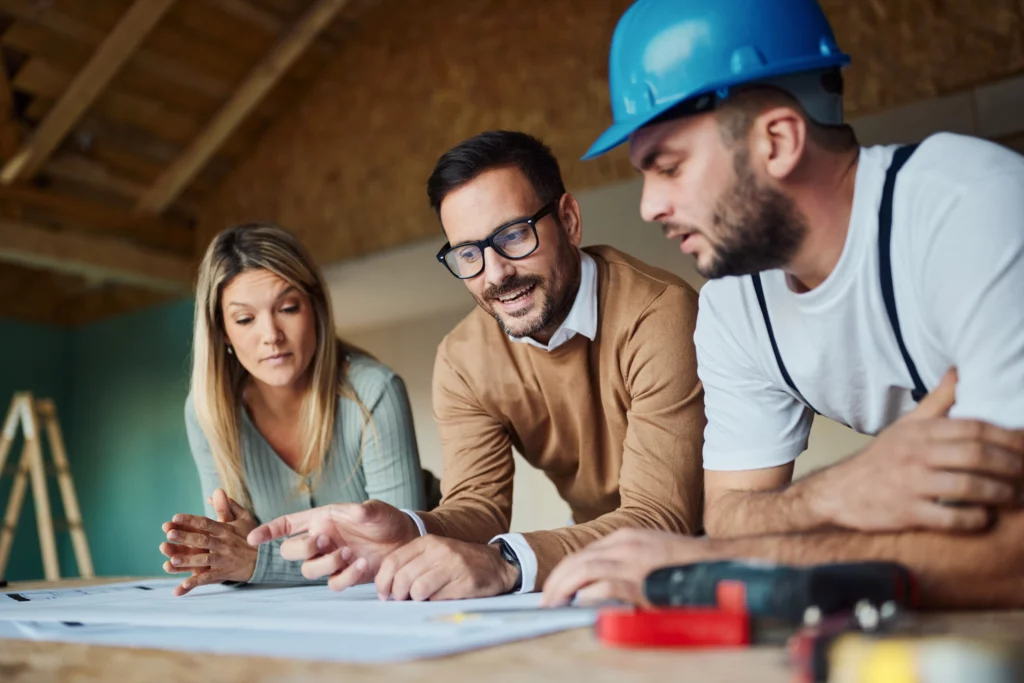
[781, 591]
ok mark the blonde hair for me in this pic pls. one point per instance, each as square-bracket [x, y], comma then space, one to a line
[218, 379]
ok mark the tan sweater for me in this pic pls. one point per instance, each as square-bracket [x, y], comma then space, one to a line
[617, 424]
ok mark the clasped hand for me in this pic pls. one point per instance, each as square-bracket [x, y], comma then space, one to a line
[211, 550]
[926, 471]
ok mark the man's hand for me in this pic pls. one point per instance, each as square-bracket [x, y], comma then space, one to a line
[437, 568]
[615, 567]
[346, 541]
[905, 478]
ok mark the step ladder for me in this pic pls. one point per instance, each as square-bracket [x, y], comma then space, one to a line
[29, 413]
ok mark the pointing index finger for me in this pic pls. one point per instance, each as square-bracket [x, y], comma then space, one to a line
[285, 525]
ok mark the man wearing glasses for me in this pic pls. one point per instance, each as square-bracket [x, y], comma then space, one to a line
[580, 359]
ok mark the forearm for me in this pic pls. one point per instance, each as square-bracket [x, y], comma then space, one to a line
[478, 466]
[794, 508]
[552, 546]
[472, 517]
[954, 571]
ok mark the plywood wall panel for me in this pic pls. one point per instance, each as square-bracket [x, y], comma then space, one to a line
[909, 50]
[346, 167]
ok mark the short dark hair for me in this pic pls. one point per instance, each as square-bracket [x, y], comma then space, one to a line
[737, 114]
[490, 150]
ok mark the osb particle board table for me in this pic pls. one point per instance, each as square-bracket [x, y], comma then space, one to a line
[560, 658]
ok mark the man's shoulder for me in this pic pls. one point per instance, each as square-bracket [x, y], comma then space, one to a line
[946, 163]
[727, 302]
[957, 185]
[629, 285]
[623, 267]
[731, 289]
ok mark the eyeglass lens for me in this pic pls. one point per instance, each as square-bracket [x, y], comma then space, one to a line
[514, 241]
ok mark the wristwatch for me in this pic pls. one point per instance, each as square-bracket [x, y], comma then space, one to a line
[509, 556]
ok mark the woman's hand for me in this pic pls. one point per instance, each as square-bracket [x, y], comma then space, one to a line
[213, 551]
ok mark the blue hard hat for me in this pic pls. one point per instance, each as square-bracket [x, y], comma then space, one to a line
[667, 52]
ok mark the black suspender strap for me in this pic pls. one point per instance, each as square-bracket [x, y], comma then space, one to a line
[885, 263]
[759, 290]
[885, 275]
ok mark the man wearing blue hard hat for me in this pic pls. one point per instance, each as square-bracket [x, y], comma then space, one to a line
[878, 286]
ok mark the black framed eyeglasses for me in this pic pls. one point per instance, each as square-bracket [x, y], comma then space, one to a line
[515, 240]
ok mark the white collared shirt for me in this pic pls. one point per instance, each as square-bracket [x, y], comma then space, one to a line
[582, 319]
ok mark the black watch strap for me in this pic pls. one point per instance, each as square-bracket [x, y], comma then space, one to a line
[509, 556]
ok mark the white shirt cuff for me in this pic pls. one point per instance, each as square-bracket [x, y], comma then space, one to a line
[527, 559]
[417, 521]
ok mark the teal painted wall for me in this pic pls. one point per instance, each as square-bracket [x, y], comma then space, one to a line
[120, 388]
[132, 464]
[33, 358]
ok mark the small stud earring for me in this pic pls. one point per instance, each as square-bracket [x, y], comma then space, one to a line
[231, 350]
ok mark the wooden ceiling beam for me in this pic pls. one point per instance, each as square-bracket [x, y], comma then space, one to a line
[160, 66]
[109, 221]
[98, 259]
[242, 9]
[171, 39]
[81, 169]
[293, 8]
[268, 22]
[80, 176]
[64, 56]
[45, 83]
[252, 90]
[108, 59]
[10, 130]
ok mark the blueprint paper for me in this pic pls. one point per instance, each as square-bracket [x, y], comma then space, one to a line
[308, 622]
[305, 608]
[12, 597]
[361, 649]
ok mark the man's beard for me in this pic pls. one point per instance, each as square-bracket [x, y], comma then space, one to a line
[557, 304]
[757, 228]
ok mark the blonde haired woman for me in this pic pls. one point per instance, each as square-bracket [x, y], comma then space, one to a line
[282, 415]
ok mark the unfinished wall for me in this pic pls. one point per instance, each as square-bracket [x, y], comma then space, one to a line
[346, 168]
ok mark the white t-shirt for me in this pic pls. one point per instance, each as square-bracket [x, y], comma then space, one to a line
[958, 277]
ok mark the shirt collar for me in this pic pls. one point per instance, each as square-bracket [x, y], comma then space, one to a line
[582, 318]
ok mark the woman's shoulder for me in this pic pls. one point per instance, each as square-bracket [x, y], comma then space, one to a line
[190, 409]
[369, 377]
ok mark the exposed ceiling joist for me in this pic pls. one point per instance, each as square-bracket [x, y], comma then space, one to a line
[10, 130]
[255, 86]
[102, 219]
[80, 169]
[268, 21]
[251, 13]
[158, 65]
[110, 56]
[96, 258]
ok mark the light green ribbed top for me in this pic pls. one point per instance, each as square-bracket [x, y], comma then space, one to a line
[389, 469]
